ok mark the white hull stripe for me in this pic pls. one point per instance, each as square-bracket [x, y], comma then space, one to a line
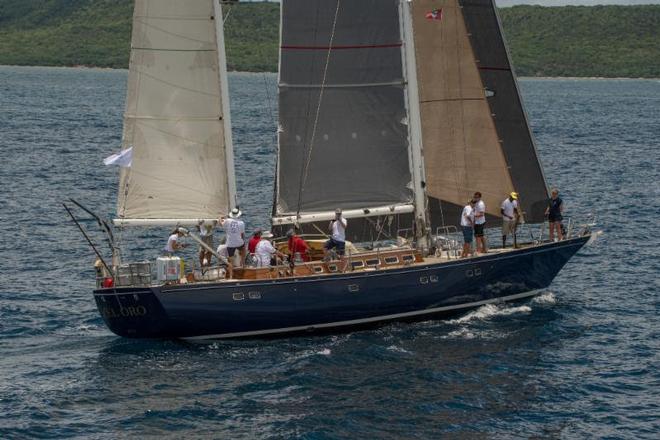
[362, 321]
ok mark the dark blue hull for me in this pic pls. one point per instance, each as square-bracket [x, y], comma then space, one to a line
[332, 302]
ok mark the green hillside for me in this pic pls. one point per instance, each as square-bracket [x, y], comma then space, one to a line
[608, 41]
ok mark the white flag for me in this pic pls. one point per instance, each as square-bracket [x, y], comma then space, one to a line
[123, 158]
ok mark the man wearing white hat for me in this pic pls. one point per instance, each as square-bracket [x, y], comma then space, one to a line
[510, 216]
[235, 230]
[265, 250]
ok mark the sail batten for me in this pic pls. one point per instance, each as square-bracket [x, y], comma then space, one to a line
[177, 115]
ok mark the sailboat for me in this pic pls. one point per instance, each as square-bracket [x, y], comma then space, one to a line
[394, 111]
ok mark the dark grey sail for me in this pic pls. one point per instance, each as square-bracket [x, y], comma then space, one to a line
[343, 138]
[474, 129]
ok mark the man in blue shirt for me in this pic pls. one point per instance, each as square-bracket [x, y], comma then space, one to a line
[554, 212]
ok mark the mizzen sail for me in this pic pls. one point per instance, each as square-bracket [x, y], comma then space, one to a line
[177, 115]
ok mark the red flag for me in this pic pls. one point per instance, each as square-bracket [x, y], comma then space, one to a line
[435, 14]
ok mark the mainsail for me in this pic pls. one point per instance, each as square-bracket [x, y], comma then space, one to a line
[343, 134]
[177, 116]
[474, 128]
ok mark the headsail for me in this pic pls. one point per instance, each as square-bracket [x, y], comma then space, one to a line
[177, 116]
[355, 154]
[475, 132]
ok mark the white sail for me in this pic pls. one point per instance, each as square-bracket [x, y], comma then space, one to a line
[177, 116]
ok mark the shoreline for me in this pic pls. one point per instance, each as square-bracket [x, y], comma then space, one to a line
[570, 78]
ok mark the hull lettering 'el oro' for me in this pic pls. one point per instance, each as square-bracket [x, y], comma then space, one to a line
[395, 111]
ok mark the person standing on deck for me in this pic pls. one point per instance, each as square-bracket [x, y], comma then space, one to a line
[206, 235]
[467, 223]
[338, 234]
[297, 246]
[510, 216]
[555, 211]
[235, 231]
[479, 222]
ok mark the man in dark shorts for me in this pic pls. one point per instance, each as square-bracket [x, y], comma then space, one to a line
[554, 212]
[338, 234]
[479, 222]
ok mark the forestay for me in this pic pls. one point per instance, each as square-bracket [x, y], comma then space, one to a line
[474, 129]
[354, 155]
[177, 117]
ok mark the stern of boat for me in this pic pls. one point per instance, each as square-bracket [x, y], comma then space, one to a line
[132, 312]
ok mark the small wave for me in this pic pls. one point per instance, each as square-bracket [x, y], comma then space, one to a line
[545, 298]
[488, 311]
[324, 352]
[397, 349]
[461, 333]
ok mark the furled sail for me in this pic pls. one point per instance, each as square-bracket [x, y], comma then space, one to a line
[343, 135]
[177, 116]
[474, 129]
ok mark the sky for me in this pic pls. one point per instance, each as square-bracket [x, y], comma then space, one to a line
[576, 2]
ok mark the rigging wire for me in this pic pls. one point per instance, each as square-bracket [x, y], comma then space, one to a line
[318, 110]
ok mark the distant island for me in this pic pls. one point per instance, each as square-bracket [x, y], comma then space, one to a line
[576, 41]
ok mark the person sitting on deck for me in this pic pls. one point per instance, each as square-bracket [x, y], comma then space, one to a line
[235, 231]
[338, 231]
[265, 251]
[510, 216]
[298, 248]
[467, 223]
[254, 240]
[173, 243]
[554, 212]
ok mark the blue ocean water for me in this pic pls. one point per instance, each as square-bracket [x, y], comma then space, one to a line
[579, 361]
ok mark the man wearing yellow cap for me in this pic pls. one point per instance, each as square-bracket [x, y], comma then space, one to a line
[510, 215]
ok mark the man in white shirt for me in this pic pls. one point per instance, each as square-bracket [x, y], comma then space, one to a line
[467, 223]
[479, 222]
[173, 243]
[338, 234]
[510, 215]
[235, 232]
[265, 251]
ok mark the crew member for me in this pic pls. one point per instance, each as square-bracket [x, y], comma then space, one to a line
[265, 251]
[510, 216]
[205, 229]
[297, 246]
[467, 223]
[173, 243]
[338, 234]
[235, 231]
[555, 211]
[252, 243]
[479, 222]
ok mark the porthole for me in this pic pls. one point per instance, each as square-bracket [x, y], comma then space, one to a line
[254, 295]
[469, 273]
[373, 262]
[424, 280]
[357, 264]
[332, 267]
[434, 278]
[391, 260]
[239, 296]
[353, 288]
[318, 269]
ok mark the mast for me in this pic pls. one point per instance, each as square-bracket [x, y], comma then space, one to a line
[224, 94]
[414, 127]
